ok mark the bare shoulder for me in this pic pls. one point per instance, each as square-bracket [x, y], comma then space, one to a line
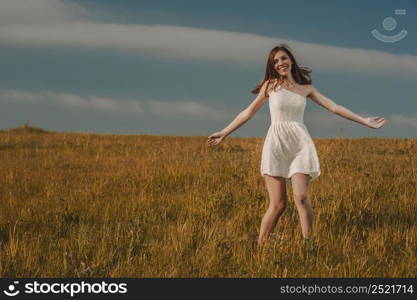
[270, 84]
[310, 89]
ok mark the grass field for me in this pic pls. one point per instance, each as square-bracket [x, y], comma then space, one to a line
[94, 205]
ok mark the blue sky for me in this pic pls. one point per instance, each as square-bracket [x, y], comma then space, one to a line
[187, 67]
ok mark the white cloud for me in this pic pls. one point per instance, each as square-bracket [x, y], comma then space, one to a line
[39, 12]
[74, 101]
[320, 120]
[13, 95]
[403, 120]
[139, 107]
[28, 23]
[186, 108]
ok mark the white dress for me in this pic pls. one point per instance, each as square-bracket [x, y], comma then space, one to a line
[288, 147]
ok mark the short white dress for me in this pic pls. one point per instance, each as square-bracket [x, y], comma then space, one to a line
[288, 147]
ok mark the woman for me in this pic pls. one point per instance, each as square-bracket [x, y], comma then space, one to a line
[288, 154]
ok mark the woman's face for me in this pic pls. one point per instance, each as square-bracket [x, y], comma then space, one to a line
[282, 63]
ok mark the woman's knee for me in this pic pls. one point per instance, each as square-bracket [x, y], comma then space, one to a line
[301, 199]
[278, 207]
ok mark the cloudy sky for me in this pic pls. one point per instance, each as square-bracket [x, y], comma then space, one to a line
[187, 67]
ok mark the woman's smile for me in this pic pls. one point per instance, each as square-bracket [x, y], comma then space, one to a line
[283, 68]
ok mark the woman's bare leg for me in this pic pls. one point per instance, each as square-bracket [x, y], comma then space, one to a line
[300, 184]
[277, 204]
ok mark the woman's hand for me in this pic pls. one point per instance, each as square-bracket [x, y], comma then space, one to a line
[216, 138]
[374, 122]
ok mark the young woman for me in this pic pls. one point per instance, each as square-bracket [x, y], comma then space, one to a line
[289, 154]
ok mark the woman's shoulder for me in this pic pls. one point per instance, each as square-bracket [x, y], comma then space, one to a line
[309, 88]
[270, 84]
[272, 81]
[268, 81]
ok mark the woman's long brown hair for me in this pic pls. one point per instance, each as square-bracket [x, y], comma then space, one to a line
[300, 74]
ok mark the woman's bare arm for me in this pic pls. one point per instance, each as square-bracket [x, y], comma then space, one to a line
[320, 99]
[247, 113]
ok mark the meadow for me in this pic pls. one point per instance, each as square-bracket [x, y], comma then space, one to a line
[102, 205]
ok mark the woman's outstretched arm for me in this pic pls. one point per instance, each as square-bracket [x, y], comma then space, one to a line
[244, 116]
[320, 99]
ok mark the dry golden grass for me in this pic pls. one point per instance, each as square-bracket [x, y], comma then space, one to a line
[90, 205]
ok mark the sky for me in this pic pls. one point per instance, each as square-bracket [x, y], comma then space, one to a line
[187, 68]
